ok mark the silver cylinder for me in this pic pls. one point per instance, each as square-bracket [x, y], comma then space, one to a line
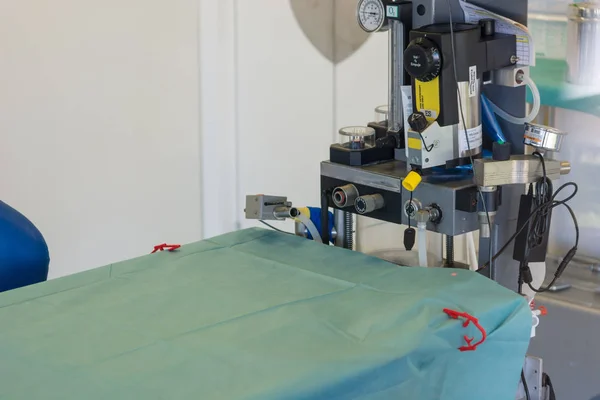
[344, 196]
[485, 226]
[300, 229]
[543, 137]
[583, 39]
[285, 212]
[471, 111]
[368, 204]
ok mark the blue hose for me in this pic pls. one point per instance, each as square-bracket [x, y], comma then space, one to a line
[490, 123]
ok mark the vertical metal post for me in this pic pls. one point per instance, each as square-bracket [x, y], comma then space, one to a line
[449, 251]
[396, 40]
[344, 226]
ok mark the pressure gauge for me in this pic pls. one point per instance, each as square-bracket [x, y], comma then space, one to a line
[371, 15]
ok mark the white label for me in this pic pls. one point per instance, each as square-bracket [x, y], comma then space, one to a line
[475, 139]
[407, 105]
[429, 113]
[473, 81]
[392, 11]
[525, 44]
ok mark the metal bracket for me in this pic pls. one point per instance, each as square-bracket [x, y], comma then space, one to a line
[268, 207]
[533, 376]
[520, 169]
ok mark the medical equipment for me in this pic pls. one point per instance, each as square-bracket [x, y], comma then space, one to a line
[427, 168]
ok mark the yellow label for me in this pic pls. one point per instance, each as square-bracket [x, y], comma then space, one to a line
[427, 98]
[414, 143]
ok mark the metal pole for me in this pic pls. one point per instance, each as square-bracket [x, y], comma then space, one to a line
[449, 251]
[396, 40]
[344, 226]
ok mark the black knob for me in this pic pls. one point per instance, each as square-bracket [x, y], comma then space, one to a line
[488, 27]
[501, 151]
[422, 59]
[418, 122]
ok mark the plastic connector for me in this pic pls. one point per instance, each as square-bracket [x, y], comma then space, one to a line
[565, 262]
[410, 235]
[526, 275]
[411, 181]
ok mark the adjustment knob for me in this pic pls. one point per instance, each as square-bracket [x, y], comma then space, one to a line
[418, 122]
[422, 60]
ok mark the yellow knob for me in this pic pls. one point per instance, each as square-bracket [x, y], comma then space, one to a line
[411, 181]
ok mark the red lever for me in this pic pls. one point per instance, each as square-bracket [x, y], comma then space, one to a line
[468, 319]
[165, 247]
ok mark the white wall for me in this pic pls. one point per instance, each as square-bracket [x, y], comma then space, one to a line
[99, 125]
[284, 106]
[582, 149]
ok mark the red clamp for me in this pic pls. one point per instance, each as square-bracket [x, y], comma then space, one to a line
[165, 247]
[468, 319]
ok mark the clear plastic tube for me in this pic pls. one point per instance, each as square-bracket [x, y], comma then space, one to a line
[537, 103]
[314, 232]
[422, 244]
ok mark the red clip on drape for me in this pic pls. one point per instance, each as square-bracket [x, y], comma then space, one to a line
[165, 247]
[468, 319]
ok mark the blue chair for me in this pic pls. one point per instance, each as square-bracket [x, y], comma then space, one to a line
[24, 257]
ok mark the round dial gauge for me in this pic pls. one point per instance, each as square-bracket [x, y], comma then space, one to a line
[371, 15]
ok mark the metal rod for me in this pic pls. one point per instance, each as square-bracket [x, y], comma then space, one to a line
[348, 231]
[344, 226]
[449, 251]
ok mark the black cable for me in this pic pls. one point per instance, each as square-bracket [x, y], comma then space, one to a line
[566, 259]
[555, 203]
[272, 227]
[462, 116]
[539, 225]
[525, 387]
[547, 383]
[410, 207]
[427, 149]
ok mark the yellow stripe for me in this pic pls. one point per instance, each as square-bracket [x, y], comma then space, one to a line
[414, 144]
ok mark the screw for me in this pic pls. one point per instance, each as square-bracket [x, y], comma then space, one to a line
[514, 59]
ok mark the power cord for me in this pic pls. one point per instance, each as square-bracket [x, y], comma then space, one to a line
[525, 387]
[272, 227]
[547, 383]
[427, 148]
[544, 202]
[555, 203]
[462, 116]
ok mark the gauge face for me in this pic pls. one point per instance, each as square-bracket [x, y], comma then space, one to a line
[357, 131]
[371, 15]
